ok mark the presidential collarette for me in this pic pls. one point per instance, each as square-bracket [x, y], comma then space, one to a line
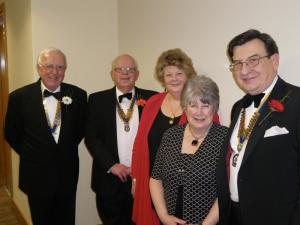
[244, 133]
[126, 117]
[57, 117]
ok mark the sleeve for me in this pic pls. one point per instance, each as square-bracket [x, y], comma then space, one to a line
[295, 220]
[137, 150]
[94, 136]
[157, 170]
[82, 115]
[13, 127]
[140, 146]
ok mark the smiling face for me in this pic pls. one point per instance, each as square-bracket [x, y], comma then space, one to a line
[124, 73]
[254, 80]
[174, 79]
[52, 69]
[199, 115]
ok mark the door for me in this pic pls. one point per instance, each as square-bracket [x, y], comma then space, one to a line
[5, 152]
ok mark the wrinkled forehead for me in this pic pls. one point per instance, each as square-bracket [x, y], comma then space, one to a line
[124, 61]
[53, 57]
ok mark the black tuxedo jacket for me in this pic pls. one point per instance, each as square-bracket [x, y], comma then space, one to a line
[269, 176]
[45, 166]
[101, 138]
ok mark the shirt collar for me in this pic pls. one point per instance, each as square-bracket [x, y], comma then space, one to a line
[43, 87]
[118, 92]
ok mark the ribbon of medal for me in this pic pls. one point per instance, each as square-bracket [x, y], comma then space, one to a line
[126, 117]
[57, 119]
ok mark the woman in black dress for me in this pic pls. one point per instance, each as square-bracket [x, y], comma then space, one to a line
[183, 180]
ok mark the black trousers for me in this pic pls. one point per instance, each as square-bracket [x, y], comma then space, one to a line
[235, 214]
[117, 209]
[52, 210]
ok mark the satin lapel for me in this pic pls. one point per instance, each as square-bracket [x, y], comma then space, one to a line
[38, 111]
[64, 112]
[138, 96]
[265, 119]
[235, 117]
[111, 104]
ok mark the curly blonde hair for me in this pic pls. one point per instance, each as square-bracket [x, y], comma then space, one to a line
[174, 57]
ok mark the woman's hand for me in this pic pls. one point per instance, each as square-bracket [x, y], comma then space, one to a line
[171, 220]
[133, 184]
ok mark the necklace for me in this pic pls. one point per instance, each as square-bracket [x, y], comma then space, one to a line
[126, 117]
[196, 139]
[172, 117]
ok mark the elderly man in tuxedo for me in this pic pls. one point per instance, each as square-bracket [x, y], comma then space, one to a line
[44, 125]
[112, 123]
[259, 174]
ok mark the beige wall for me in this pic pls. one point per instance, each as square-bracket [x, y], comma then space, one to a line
[203, 29]
[93, 32]
[87, 32]
[19, 46]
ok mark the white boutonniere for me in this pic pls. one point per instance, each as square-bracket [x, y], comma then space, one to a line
[66, 100]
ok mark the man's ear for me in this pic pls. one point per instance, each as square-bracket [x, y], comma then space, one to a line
[275, 60]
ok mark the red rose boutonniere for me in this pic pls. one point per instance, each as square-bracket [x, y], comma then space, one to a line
[276, 106]
[141, 102]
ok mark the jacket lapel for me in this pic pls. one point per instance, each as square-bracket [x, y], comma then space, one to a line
[265, 118]
[139, 96]
[234, 117]
[64, 112]
[111, 104]
[39, 113]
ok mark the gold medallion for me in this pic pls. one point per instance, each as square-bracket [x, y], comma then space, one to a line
[126, 127]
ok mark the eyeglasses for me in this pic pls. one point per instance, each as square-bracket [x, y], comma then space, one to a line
[51, 67]
[250, 62]
[125, 70]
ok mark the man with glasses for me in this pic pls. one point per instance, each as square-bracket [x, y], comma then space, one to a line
[259, 174]
[44, 125]
[112, 123]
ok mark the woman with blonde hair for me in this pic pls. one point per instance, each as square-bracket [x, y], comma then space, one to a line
[161, 112]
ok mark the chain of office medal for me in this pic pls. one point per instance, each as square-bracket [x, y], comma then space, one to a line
[126, 117]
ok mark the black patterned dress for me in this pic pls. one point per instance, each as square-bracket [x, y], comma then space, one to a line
[194, 174]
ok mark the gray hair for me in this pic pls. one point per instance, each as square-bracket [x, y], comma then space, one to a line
[46, 51]
[203, 88]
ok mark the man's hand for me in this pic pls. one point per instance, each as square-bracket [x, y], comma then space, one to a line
[121, 171]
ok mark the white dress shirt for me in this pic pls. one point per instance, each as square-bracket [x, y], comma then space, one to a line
[126, 139]
[50, 104]
[234, 171]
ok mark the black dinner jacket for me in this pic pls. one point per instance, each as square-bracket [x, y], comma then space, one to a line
[101, 138]
[269, 176]
[45, 165]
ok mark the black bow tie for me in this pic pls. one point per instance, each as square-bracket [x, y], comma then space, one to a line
[127, 95]
[56, 95]
[253, 98]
